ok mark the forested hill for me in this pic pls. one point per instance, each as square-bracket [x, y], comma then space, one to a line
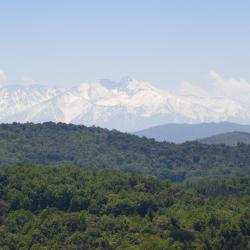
[51, 143]
[71, 208]
[231, 139]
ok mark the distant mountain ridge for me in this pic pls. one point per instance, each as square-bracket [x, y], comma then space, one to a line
[230, 138]
[179, 133]
[126, 105]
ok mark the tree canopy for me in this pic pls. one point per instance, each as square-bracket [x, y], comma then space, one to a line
[51, 143]
[74, 208]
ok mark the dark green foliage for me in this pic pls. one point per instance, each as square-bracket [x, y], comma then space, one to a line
[98, 207]
[216, 186]
[70, 208]
[51, 143]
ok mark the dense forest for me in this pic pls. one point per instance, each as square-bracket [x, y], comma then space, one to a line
[56, 144]
[73, 187]
[73, 208]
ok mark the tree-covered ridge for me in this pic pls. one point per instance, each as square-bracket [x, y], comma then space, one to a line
[71, 208]
[51, 143]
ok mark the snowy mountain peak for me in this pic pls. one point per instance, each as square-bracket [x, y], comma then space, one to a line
[15, 98]
[125, 80]
[109, 84]
[127, 105]
[93, 91]
[140, 85]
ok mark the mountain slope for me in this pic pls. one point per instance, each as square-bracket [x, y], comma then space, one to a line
[51, 143]
[14, 99]
[179, 133]
[231, 138]
[127, 105]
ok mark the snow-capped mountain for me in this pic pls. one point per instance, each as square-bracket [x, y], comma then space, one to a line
[128, 105]
[17, 98]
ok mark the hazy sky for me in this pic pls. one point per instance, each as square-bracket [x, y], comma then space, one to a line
[66, 42]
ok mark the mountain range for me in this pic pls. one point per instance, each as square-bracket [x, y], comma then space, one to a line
[179, 133]
[127, 105]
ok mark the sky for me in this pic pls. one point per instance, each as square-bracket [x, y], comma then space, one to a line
[165, 42]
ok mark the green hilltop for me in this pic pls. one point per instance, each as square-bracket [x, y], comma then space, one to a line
[61, 144]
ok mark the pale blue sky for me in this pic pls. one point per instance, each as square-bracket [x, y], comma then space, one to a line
[66, 42]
